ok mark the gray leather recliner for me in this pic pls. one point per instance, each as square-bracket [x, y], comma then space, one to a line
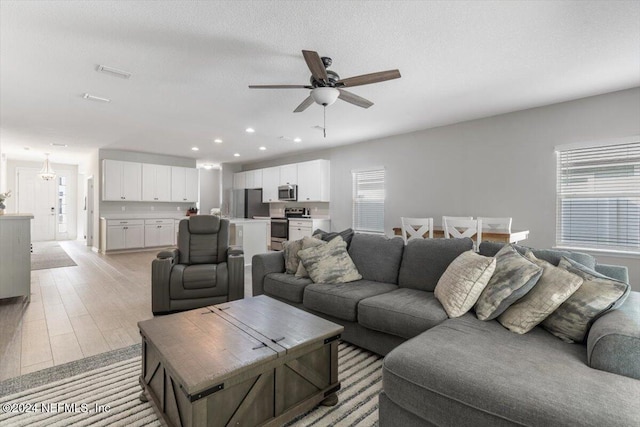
[202, 271]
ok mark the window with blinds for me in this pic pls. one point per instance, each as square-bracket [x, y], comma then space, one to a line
[368, 200]
[599, 197]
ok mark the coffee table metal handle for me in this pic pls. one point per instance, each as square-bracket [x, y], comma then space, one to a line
[275, 340]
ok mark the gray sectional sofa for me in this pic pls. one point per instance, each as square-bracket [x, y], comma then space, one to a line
[463, 371]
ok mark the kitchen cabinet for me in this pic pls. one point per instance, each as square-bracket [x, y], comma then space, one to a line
[288, 174]
[251, 235]
[121, 180]
[314, 181]
[184, 184]
[301, 227]
[158, 232]
[15, 255]
[156, 183]
[270, 182]
[124, 234]
[253, 179]
[239, 180]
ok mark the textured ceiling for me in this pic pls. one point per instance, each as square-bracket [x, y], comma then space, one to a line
[192, 61]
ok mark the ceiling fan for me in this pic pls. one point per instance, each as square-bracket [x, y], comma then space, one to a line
[327, 86]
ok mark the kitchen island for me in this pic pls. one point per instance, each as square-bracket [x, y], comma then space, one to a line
[251, 234]
[15, 255]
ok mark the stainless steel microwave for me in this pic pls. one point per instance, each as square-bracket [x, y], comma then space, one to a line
[287, 193]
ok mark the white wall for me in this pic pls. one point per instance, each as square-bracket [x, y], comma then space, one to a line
[497, 166]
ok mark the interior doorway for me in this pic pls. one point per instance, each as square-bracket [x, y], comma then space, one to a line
[89, 212]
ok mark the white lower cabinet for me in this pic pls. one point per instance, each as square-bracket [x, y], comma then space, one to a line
[298, 228]
[124, 234]
[158, 232]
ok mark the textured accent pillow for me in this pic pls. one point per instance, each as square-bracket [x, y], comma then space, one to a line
[329, 263]
[327, 236]
[597, 295]
[555, 286]
[513, 278]
[291, 260]
[307, 242]
[463, 281]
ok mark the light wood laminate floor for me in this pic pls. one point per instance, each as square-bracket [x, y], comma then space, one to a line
[77, 311]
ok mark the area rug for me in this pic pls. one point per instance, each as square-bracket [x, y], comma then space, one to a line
[49, 255]
[112, 379]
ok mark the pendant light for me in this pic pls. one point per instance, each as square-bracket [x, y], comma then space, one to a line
[47, 172]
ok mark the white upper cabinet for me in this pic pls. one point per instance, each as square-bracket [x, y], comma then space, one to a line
[270, 182]
[121, 180]
[184, 184]
[239, 181]
[314, 181]
[253, 179]
[156, 183]
[288, 174]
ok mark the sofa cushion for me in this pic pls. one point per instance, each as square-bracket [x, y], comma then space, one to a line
[199, 276]
[377, 257]
[513, 277]
[597, 295]
[425, 260]
[403, 312]
[555, 286]
[467, 372]
[285, 286]
[329, 263]
[462, 283]
[198, 281]
[341, 300]
[550, 255]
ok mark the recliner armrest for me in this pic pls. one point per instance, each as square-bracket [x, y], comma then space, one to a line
[613, 344]
[235, 250]
[169, 253]
[235, 265]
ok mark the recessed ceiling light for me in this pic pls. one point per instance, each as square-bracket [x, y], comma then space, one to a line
[263, 148]
[95, 98]
[113, 71]
[297, 140]
[55, 144]
[250, 130]
[194, 149]
[236, 155]
[217, 141]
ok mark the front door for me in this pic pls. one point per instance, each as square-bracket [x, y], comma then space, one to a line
[38, 197]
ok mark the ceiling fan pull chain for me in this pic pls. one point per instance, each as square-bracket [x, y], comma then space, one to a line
[324, 125]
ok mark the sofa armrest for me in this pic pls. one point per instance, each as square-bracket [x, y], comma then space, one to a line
[613, 344]
[263, 264]
[160, 274]
[618, 272]
[235, 264]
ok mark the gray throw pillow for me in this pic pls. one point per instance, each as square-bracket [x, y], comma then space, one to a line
[327, 236]
[513, 278]
[291, 260]
[307, 242]
[330, 263]
[463, 282]
[597, 295]
[555, 286]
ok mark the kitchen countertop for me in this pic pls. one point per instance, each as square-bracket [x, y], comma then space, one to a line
[16, 216]
[248, 220]
[150, 215]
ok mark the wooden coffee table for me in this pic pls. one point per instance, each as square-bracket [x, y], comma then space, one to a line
[255, 361]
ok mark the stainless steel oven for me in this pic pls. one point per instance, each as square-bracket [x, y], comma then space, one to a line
[288, 193]
[279, 233]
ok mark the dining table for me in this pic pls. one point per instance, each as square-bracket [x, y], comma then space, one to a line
[504, 236]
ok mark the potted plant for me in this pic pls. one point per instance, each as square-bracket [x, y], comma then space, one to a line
[3, 197]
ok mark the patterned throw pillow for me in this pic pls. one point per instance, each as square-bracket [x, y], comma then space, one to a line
[307, 242]
[346, 235]
[291, 260]
[329, 263]
[513, 278]
[597, 295]
[555, 286]
[463, 281]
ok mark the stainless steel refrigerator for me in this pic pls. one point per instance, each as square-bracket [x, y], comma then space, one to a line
[248, 203]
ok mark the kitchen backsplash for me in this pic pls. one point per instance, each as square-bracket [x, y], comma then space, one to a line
[144, 207]
[318, 210]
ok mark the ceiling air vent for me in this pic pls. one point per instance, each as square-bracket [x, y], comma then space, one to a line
[113, 72]
[95, 98]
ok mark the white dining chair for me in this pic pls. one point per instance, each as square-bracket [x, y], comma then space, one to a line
[496, 224]
[416, 228]
[461, 228]
[445, 218]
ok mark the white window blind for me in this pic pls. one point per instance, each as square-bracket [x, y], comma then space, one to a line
[368, 200]
[599, 197]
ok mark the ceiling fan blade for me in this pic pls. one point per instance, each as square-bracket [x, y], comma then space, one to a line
[354, 99]
[315, 64]
[304, 105]
[366, 79]
[279, 87]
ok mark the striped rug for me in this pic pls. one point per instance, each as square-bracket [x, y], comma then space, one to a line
[116, 385]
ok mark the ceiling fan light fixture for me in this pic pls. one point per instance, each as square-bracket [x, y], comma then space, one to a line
[47, 173]
[325, 96]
